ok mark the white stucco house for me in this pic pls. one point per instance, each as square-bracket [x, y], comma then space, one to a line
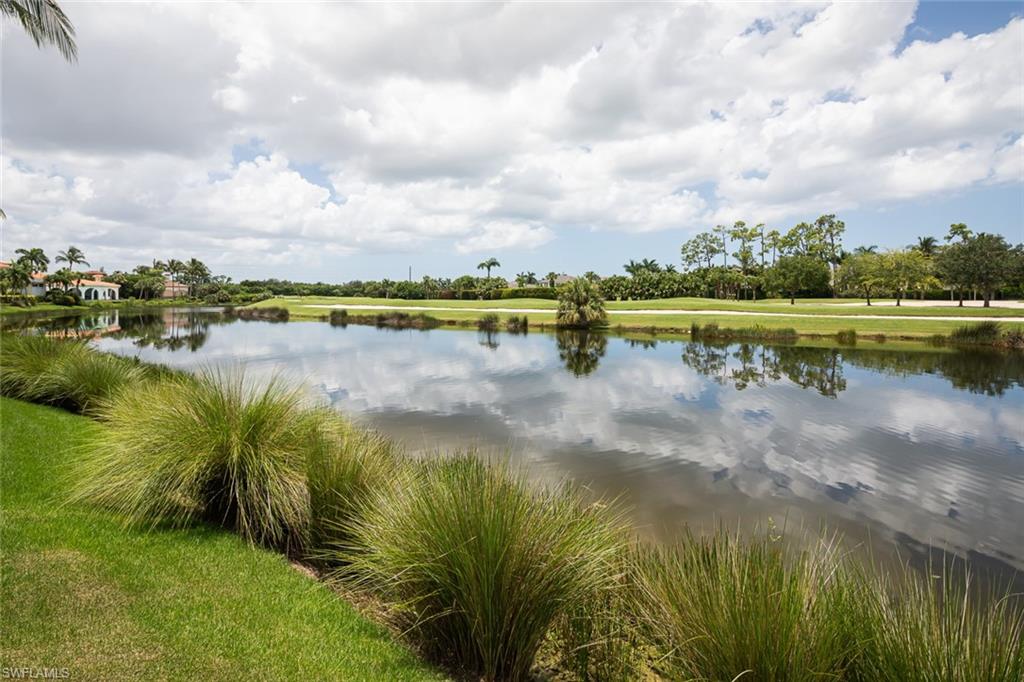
[97, 290]
[91, 289]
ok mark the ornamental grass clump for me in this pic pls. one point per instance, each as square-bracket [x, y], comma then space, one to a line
[27, 362]
[936, 625]
[212, 446]
[353, 464]
[62, 372]
[481, 564]
[724, 608]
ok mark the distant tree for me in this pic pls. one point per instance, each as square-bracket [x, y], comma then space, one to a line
[45, 23]
[958, 231]
[990, 262]
[722, 232]
[760, 234]
[861, 250]
[34, 259]
[860, 273]
[580, 305]
[591, 276]
[904, 271]
[195, 274]
[774, 239]
[793, 274]
[745, 236]
[488, 264]
[929, 246]
[700, 251]
[15, 278]
[73, 256]
[63, 278]
[525, 278]
[550, 279]
[175, 268]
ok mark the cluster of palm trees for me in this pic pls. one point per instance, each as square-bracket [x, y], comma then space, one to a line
[31, 261]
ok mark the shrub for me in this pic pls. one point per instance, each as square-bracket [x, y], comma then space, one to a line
[339, 318]
[354, 463]
[482, 563]
[580, 305]
[267, 314]
[211, 446]
[722, 608]
[847, 337]
[528, 292]
[488, 323]
[935, 626]
[757, 332]
[517, 325]
[980, 333]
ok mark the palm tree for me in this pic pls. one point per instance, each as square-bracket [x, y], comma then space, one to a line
[45, 23]
[491, 262]
[34, 258]
[863, 250]
[550, 279]
[927, 245]
[73, 256]
[174, 268]
[15, 278]
[580, 305]
[64, 278]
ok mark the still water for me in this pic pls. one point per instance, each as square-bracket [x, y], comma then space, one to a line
[908, 449]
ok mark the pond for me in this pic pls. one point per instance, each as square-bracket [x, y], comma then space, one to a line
[898, 449]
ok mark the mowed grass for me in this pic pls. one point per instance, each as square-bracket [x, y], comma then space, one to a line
[81, 591]
[799, 317]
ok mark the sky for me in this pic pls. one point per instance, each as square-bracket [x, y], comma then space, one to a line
[329, 141]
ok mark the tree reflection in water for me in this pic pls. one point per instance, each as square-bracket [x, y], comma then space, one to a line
[817, 368]
[581, 350]
[169, 329]
[988, 372]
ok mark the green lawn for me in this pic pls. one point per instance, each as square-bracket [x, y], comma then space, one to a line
[49, 308]
[799, 317]
[80, 591]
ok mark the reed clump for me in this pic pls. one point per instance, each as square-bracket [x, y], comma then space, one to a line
[847, 337]
[64, 372]
[712, 331]
[722, 607]
[488, 322]
[266, 314]
[938, 625]
[214, 446]
[516, 324]
[482, 564]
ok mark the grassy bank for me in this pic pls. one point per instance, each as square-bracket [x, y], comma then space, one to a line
[51, 310]
[80, 591]
[481, 571]
[894, 325]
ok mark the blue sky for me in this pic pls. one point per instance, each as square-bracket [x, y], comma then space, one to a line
[331, 142]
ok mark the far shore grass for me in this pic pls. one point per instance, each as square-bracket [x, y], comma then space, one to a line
[798, 317]
[51, 310]
[79, 591]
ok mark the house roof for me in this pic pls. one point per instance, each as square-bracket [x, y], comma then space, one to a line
[95, 283]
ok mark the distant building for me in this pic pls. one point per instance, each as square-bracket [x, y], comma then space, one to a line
[91, 287]
[563, 279]
[98, 290]
[174, 289]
